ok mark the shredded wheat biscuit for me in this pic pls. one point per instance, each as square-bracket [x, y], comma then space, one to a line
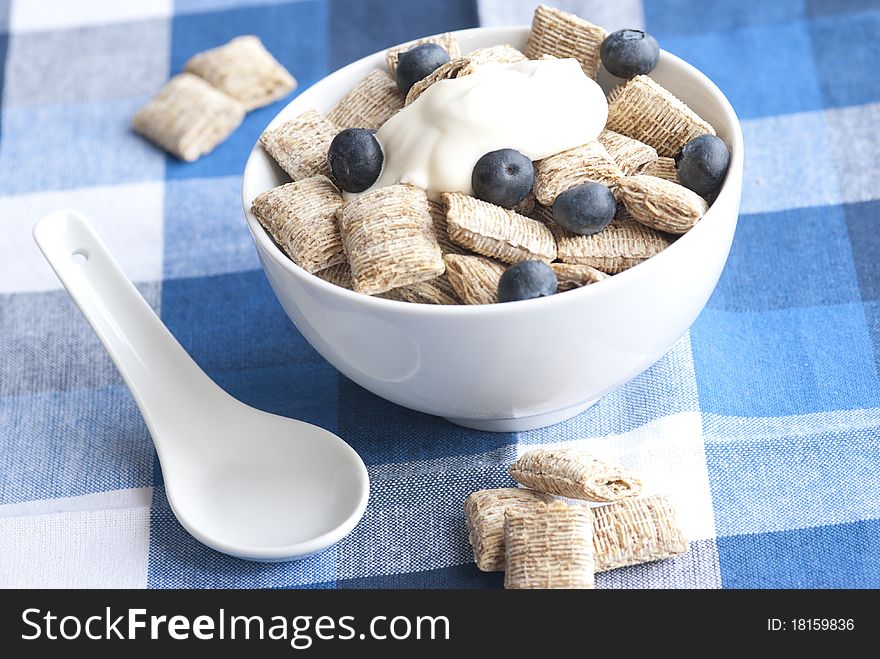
[301, 217]
[188, 117]
[590, 162]
[570, 276]
[369, 105]
[548, 546]
[502, 54]
[630, 155]
[244, 70]
[389, 240]
[456, 68]
[300, 145]
[496, 232]
[434, 291]
[661, 204]
[573, 473]
[441, 232]
[446, 40]
[474, 278]
[663, 168]
[339, 275]
[643, 110]
[558, 33]
[621, 245]
[636, 531]
[484, 513]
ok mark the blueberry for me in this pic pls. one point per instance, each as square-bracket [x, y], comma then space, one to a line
[526, 280]
[629, 53]
[417, 63]
[585, 209]
[503, 177]
[702, 164]
[355, 159]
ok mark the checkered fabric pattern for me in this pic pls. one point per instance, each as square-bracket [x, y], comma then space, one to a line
[763, 422]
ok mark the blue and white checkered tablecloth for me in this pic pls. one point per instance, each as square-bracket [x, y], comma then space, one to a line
[763, 422]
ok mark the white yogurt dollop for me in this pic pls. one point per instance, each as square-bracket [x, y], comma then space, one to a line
[538, 107]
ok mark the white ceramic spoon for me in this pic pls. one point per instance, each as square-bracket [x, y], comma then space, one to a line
[244, 482]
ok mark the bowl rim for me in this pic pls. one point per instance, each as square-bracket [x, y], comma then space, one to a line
[725, 196]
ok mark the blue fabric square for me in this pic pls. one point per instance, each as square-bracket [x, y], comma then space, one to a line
[772, 73]
[789, 163]
[762, 481]
[667, 17]
[177, 560]
[821, 7]
[64, 444]
[75, 146]
[205, 230]
[380, 431]
[294, 33]
[361, 27]
[863, 225]
[4, 14]
[839, 556]
[795, 258]
[847, 54]
[191, 6]
[233, 322]
[781, 362]
[307, 390]
[457, 576]
[53, 67]
[48, 346]
[872, 318]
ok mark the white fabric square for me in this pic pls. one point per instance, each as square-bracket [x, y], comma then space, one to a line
[32, 15]
[128, 218]
[94, 541]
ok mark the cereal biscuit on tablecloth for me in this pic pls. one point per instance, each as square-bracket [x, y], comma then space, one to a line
[484, 514]
[447, 41]
[496, 232]
[558, 173]
[244, 70]
[388, 237]
[571, 275]
[548, 546]
[574, 473]
[369, 104]
[300, 145]
[642, 109]
[636, 531]
[561, 34]
[301, 218]
[661, 204]
[188, 117]
[630, 155]
[474, 278]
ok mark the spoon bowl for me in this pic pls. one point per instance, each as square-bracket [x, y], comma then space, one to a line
[242, 481]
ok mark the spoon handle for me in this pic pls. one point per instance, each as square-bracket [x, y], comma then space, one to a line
[162, 377]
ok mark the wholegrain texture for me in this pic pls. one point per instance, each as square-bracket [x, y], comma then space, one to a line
[548, 546]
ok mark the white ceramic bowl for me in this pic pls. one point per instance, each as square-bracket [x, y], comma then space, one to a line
[518, 365]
